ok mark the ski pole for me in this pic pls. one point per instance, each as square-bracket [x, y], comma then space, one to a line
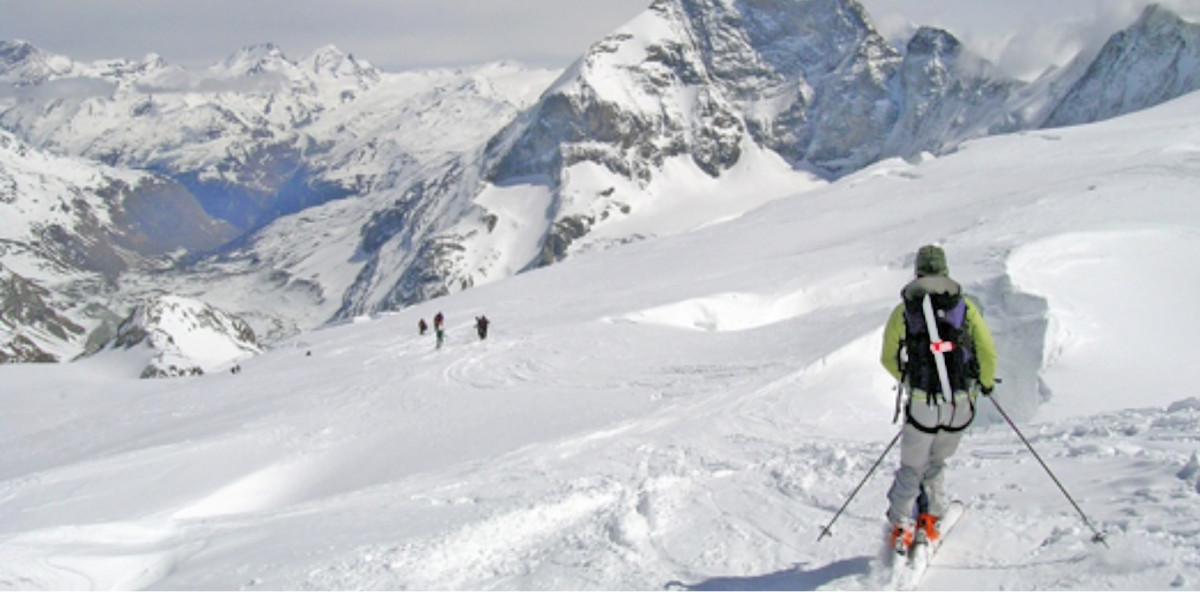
[825, 530]
[1098, 537]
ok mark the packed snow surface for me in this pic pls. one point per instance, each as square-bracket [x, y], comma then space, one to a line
[685, 412]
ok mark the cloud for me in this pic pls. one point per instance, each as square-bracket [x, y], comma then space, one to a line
[68, 89]
[193, 83]
[1022, 37]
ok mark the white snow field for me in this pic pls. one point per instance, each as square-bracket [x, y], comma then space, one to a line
[683, 412]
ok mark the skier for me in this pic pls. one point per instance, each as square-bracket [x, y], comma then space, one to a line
[934, 424]
[481, 325]
[422, 327]
[437, 321]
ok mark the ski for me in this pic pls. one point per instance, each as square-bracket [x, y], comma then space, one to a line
[909, 568]
[939, 347]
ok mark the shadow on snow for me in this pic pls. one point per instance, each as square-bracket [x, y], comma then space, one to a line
[795, 579]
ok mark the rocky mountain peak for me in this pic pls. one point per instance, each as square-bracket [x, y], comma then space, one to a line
[698, 76]
[1156, 17]
[933, 42]
[255, 59]
[22, 64]
[16, 53]
[331, 60]
[1155, 59]
[341, 71]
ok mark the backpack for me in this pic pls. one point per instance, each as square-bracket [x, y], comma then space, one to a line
[950, 315]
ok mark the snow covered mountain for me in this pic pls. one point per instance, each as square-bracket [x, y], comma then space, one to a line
[233, 134]
[258, 135]
[182, 336]
[246, 136]
[360, 191]
[628, 142]
[69, 229]
[407, 140]
[1154, 60]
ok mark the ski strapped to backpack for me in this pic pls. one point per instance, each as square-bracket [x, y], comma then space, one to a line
[937, 346]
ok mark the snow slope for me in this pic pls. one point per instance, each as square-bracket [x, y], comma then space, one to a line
[682, 412]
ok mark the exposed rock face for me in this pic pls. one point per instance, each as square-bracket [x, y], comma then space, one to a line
[809, 80]
[947, 96]
[26, 316]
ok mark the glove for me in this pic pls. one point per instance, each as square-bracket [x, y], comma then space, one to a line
[987, 390]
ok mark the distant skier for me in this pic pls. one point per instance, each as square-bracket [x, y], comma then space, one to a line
[422, 327]
[481, 325]
[437, 321]
[934, 424]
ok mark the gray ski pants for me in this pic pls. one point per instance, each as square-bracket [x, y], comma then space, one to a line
[922, 461]
[923, 456]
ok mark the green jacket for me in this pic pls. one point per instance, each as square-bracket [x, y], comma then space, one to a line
[984, 348]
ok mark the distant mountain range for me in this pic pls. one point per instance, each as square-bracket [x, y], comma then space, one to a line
[292, 193]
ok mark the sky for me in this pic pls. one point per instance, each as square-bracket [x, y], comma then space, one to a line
[1023, 36]
[687, 411]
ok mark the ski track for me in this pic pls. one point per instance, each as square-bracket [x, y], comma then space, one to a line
[634, 527]
[104, 556]
[663, 522]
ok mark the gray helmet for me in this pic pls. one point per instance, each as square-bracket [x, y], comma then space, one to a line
[931, 260]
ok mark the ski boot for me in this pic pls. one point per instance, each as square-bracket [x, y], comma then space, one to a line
[927, 528]
[901, 538]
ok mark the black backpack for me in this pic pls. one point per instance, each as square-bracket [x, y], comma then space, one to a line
[950, 315]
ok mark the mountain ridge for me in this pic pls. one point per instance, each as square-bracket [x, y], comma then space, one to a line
[650, 91]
